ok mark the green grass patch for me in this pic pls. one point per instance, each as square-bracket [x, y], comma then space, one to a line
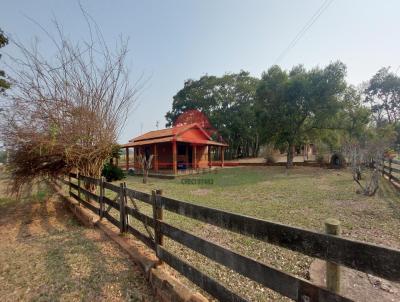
[302, 197]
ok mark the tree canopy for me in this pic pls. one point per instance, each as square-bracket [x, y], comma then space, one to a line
[383, 95]
[283, 108]
[290, 105]
[228, 102]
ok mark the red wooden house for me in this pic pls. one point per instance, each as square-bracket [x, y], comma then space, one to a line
[177, 149]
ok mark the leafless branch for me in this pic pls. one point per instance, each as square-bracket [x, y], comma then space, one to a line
[66, 112]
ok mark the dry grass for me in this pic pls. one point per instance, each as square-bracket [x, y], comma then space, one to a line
[303, 197]
[45, 255]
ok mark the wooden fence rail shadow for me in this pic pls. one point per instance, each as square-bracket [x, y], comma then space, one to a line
[369, 258]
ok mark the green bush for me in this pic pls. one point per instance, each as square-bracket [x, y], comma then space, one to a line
[111, 172]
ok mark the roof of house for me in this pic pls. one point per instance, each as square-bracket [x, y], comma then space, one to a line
[178, 133]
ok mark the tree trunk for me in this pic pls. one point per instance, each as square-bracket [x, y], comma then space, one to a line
[144, 175]
[256, 147]
[237, 152]
[290, 155]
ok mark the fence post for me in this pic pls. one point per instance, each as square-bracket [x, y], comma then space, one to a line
[122, 215]
[383, 166]
[126, 204]
[69, 183]
[79, 188]
[101, 198]
[390, 169]
[157, 216]
[332, 227]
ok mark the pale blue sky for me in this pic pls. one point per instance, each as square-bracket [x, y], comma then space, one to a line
[171, 41]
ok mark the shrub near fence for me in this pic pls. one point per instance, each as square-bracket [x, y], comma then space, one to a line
[377, 260]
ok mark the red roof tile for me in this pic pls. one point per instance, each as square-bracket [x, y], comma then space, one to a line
[170, 134]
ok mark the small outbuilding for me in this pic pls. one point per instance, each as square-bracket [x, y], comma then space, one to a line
[181, 149]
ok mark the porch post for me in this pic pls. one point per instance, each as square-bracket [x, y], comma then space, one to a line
[222, 156]
[174, 167]
[155, 158]
[127, 158]
[194, 157]
[187, 156]
[134, 156]
[209, 156]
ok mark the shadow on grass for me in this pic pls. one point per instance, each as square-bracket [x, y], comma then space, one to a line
[391, 195]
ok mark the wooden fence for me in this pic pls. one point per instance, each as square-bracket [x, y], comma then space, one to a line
[373, 259]
[390, 168]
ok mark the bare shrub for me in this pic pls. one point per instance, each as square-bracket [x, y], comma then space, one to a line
[269, 153]
[145, 164]
[361, 159]
[65, 112]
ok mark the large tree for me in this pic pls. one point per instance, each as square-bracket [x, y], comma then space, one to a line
[228, 102]
[383, 95]
[350, 125]
[353, 120]
[293, 104]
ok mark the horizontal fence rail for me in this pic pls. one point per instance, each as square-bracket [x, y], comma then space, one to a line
[210, 285]
[390, 168]
[395, 161]
[377, 260]
[284, 283]
[111, 203]
[111, 187]
[380, 261]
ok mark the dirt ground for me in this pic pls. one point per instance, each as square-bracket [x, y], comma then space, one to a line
[356, 285]
[45, 255]
[279, 159]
